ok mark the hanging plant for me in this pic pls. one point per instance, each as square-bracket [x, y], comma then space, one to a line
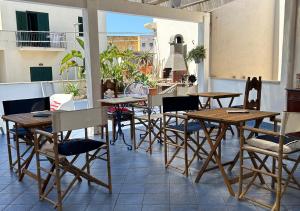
[197, 54]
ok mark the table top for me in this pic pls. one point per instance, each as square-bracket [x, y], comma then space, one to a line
[216, 94]
[28, 120]
[122, 100]
[221, 115]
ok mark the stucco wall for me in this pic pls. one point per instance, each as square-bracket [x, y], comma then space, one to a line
[167, 28]
[242, 41]
[297, 46]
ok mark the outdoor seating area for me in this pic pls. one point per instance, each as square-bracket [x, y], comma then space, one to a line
[187, 114]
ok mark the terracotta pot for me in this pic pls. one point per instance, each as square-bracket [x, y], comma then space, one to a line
[153, 91]
[146, 69]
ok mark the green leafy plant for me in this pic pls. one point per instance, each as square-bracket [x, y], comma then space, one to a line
[197, 54]
[72, 88]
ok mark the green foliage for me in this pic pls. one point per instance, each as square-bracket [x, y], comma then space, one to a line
[72, 88]
[73, 59]
[197, 54]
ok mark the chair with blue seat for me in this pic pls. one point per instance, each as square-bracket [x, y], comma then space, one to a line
[283, 147]
[20, 134]
[179, 131]
[72, 155]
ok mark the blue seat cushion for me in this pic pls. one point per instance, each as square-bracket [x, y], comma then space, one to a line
[77, 146]
[21, 131]
[191, 127]
[275, 139]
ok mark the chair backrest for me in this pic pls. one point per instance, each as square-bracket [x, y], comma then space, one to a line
[157, 100]
[290, 123]
[180, 103]
[109, 85]
[61, 102]
[136, 89]
[47, 88]
[249, 102]
[73, 120]
[26, 105]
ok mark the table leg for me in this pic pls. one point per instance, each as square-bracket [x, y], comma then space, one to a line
[214, 153]
[18, 151]
[8, 145]
[119, 130]
[207, 104]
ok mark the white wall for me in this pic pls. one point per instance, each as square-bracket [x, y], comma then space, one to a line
[167, 28]
[297, 46]
[242, 40]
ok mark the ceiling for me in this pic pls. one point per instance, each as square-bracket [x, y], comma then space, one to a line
[192, 5]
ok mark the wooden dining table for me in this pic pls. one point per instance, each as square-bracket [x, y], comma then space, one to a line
[27, 121]
[120, 103]
[224, 118]
[215, 96]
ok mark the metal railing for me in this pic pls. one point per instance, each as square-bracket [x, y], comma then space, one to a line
[44, 39]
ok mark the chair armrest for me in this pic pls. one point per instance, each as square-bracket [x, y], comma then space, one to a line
[44, 133]
[258, 130]
[176, 115]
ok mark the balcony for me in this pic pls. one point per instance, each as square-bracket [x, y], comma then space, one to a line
[35, 40]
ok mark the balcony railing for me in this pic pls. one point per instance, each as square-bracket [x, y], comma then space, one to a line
[43, 39]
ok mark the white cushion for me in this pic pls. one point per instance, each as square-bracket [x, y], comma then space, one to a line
[289, 147]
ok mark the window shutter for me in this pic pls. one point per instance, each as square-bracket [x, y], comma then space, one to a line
[21, 18]
[43, 25]
[41, 73]
[80, 26]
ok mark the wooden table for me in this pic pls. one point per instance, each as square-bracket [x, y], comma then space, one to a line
[217, 96]
[225, 119]
[119, 103]
[28, 122]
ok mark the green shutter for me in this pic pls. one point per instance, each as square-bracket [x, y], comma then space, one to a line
[80, 26]
[21, 21]
[43, 25]
[41, 73]
[43, 21]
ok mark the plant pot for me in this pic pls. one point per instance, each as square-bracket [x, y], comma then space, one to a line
[192, 89]
[146, 69]
[198, 60]
[153, 91]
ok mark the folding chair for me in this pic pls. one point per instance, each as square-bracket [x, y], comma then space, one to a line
[63, 154]
[20, 134]
[152, 122]
[279, 146]
[183, 130]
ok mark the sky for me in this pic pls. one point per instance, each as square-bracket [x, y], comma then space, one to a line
[116, 22]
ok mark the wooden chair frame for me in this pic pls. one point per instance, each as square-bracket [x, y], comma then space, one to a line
[183, 141]
[61, 165]
[278, 159]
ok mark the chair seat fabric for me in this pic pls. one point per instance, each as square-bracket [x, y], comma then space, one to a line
[191, 127]
[21, 131]
[152, 117]
[78, 146]
[271, 143]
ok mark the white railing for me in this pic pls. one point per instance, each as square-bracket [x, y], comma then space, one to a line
[41, 39]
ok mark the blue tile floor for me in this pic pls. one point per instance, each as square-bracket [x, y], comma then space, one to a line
[140, 182]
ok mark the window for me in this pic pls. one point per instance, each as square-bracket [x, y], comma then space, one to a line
[80, 26]
[151, 44]
[38, 23]
[143, 44]
[41, 74]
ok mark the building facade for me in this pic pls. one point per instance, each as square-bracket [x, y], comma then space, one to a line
[34, 38]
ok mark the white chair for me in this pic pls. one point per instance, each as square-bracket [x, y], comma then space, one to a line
[61, 102]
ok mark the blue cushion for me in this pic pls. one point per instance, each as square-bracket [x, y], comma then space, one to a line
[191, 127]
[275, 139]
[78, 146]
[21, 131]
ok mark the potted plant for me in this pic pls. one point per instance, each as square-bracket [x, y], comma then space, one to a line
[191, 80]
[152, 83]
[197, 54]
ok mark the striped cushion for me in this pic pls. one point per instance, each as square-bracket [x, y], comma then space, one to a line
[267, 142]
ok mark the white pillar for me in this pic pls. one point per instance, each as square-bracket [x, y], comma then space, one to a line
[203, 67]
[91, 46]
